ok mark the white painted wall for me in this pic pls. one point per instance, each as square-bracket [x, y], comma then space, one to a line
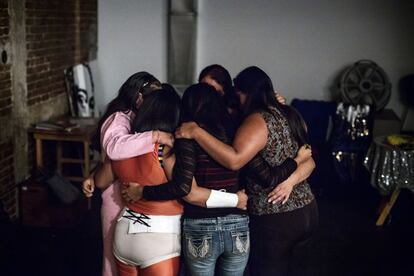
[132, 36]
[304, 45]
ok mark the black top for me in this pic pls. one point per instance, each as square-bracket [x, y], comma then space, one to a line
[192, 160]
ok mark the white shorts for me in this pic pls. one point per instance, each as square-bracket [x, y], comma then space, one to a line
[143, 246]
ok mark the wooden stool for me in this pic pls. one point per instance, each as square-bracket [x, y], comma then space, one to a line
[82, 133]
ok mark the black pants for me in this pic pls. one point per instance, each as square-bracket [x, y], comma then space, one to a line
[280, 242]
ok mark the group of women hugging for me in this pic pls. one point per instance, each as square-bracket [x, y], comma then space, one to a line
[212, 183]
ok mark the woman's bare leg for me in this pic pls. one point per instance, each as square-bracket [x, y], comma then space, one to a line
[126, 270]
[168, 267]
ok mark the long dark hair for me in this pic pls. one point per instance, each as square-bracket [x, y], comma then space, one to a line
[141, 82]
[160, 110]
[260, 95]
[222, 77]
[203, 105]
[258, 87]
[297, 125]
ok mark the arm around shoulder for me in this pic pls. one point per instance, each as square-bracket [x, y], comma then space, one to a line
[119, 143]
[250, 138]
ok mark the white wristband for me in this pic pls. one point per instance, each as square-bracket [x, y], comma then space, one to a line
[219, 199]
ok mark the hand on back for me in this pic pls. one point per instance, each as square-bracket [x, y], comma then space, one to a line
[304, 153]
[242, 200]
[280, 98]
[186, 130]
[131, 191]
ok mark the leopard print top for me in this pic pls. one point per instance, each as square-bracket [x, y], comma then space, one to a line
[280, 145]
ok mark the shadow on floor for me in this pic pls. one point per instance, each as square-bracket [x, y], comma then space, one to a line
[347, 241]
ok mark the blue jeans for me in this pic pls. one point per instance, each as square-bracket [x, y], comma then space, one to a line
[220, 245]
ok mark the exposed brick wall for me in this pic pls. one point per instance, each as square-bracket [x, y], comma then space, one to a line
[5, 91]
[53, 35]
[57, 36]
[4, 20]
[5, 78]
[7, 182]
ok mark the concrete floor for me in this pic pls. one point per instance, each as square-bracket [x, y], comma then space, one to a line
[347, 241]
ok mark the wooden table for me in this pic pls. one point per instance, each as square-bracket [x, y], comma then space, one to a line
[391, 169]
[81, 134]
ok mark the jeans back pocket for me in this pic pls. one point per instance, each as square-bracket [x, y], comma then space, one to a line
[241, 242]
[198, 246]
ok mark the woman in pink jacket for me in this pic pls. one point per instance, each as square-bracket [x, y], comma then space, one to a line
[115, 141]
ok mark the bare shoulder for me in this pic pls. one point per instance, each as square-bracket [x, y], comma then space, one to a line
[254, 120]
[251, 136]
[253, 125]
